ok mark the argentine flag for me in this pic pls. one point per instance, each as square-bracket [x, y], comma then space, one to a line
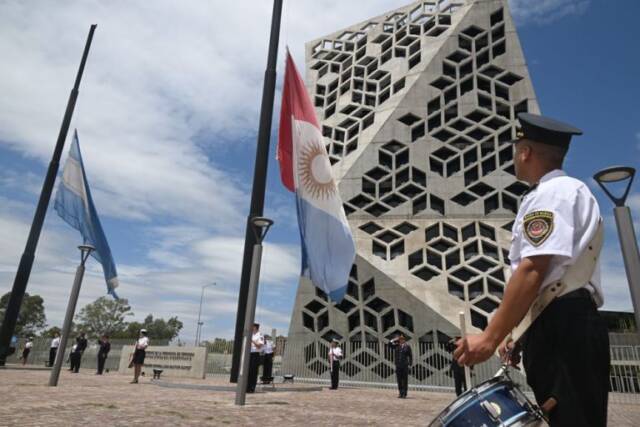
[328, 250]
[74, 205]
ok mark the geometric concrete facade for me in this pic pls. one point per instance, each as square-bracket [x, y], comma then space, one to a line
[416, 107]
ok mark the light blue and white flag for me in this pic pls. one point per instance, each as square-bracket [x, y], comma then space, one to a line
[75, 205]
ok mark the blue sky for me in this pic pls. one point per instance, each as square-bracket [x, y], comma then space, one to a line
[167, 119]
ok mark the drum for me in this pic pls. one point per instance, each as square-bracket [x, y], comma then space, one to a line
[495, 402]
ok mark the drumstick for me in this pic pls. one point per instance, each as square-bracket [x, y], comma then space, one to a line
[463, 333]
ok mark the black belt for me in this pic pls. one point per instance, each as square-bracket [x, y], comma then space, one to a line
[581, 293]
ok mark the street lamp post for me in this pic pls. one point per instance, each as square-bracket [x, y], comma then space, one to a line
[260, 226]
[626, 233]
[199, 325]
[85, 250]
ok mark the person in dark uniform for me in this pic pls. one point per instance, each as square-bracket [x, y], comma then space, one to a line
[103, 352]
[76, 353]
[457, 370]
[404, 359]
[257, 341]
[555, 286]
[335, 354]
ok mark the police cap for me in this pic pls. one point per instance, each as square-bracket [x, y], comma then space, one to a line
[545, 130]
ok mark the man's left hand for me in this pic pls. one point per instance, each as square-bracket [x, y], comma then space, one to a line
[474, 349]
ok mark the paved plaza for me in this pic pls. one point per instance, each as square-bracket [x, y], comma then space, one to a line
[87, 399]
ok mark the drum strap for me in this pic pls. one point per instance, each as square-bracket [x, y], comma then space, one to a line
[575, 277]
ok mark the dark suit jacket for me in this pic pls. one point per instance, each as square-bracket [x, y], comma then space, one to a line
[105, 348]
[403, 355]
[81, 345]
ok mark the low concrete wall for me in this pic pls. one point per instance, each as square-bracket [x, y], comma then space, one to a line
[174, 361]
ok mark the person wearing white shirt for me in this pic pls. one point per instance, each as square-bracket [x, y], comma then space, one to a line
[257, 341]
[267, 360]
[335, 354]
[53, 348]
[555, 285]
[27, 349]
[138, 355]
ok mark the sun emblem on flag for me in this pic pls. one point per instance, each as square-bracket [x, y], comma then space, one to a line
[315, 171]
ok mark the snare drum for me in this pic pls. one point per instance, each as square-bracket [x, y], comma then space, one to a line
[495, 402]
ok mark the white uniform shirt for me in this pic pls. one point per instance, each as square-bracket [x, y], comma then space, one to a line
[142, 343]
[267, 348]
[559, 217]
[55, 343]
[28, 344]
[256, 338]
[335, 354]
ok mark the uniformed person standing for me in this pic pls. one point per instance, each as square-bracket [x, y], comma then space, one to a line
[404, 359]
[267, 360]
[76, 352]
[335, 355]
[566, 348]
[257, 341]
[103, 352]
[27, 349]
[139, 354]
[53, 349]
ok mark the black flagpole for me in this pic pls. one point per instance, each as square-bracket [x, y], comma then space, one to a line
[26, 262]
[259, 182]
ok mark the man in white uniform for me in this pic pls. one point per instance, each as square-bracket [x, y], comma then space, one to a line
[335, 355]
[267, 360]
[566, 348]
[257, 341]
[53, 349]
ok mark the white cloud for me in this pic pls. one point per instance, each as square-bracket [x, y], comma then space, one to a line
[546, 11]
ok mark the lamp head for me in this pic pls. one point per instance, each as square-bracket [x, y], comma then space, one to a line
[615, 174]
[260, 226]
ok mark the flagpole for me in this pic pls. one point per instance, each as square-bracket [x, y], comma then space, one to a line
[26, 262]
[259, 183]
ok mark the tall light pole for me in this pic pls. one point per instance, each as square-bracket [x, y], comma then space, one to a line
[626, 233]
[199, 326]
[85, 250]
[259, 181]
[260, 226]
[28, 256]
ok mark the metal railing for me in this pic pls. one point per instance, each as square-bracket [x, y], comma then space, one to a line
[365, 364]
[39, 355]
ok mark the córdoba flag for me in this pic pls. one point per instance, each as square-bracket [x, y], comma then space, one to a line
[328, 249]
[75, 205]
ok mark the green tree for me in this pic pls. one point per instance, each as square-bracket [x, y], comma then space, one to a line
[51, 332]
[31, 317]
[157, 329]
[104, 316]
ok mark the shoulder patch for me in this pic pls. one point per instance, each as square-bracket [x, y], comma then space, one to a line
[538, 226]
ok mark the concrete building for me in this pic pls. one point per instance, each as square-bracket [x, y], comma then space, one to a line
[416, 107]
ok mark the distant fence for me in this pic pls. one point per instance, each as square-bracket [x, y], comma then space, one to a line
[364, 364]
[39, 355]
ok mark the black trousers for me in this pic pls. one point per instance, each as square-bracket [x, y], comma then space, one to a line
[267, 366]
[459, 380]
[566, 356]
[402, 376]
[75, 359]
[102, 358]
[335, 374]
[254, 363]
[52, 355]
